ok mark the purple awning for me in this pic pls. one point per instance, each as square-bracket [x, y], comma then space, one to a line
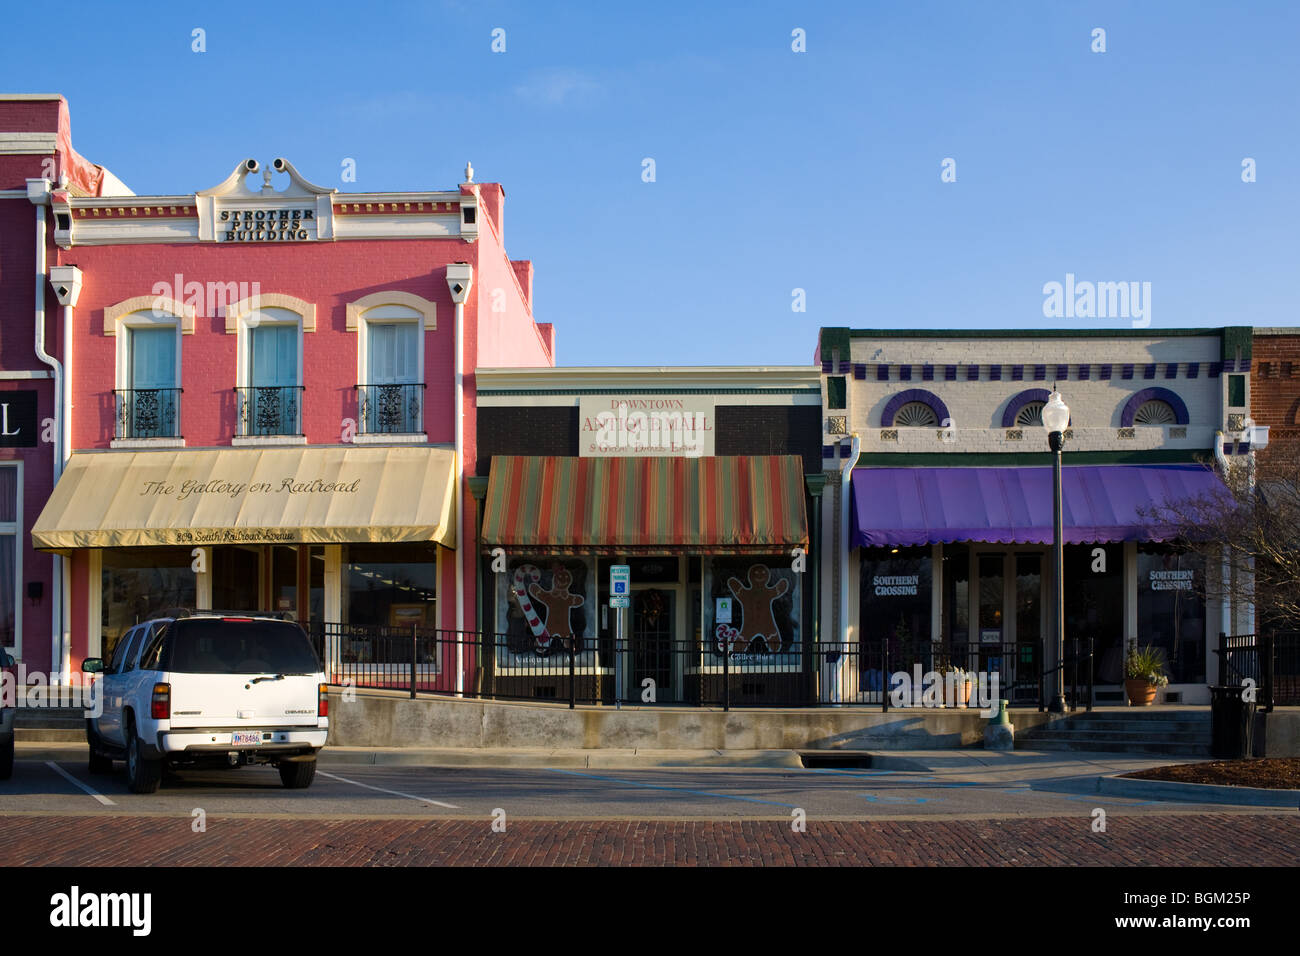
[911, 506]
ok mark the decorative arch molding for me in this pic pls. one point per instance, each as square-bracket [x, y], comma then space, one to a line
[236, 312]
[1154, 394]
[1018, 402]
[914, 395]
[159, 306]
[408, 299]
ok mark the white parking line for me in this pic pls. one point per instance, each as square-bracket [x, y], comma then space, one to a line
[396, 793]
[77, 783]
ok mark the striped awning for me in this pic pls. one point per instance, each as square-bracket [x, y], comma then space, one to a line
[725, 505]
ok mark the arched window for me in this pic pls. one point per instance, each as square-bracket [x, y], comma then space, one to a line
[914, 408]
[1025, 409]
[1154, 406]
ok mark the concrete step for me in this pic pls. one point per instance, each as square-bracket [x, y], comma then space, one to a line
[50, 735]
[1149, 728]
[1134, 739]
[1149, 747]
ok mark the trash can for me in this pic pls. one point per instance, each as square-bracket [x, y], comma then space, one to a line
[1232, 723]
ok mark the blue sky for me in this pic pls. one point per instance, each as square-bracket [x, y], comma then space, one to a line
[774, 170]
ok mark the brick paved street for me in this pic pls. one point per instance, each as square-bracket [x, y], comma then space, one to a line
[1210, 839]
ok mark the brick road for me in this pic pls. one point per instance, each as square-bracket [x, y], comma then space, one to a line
[1174, 840]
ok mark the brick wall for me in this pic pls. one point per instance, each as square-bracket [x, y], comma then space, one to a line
[525, 430]
[770, 430]
[1275, 393]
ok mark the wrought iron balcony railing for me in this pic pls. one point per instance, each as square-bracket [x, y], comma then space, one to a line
[147, 413]
[391, 409]
[270, 410]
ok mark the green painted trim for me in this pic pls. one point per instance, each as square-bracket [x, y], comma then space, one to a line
[478, 486]
[837, 392]
[831, 339]
[1167, 456]
[506, 392]
[1031, 333]
[815, 483]
[1237, 338]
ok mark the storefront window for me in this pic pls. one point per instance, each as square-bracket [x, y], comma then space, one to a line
[140, 583]
[1094, 605]
[765, 595]
[8, 554]
[544, 605]
[1171, 609]
[895, 597]
[392, 585]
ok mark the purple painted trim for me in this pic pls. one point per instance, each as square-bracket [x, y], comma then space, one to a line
[859, 372]
[1229, 365]
[1017, 373]
[845, 449]
[1149, 371]
[1193, 369]
[828, 451]
[995, 373]
[827, 367]
[904, 373]
[1020, 401]
[1040, 373]
[972, 373]
[1171, 370]
[914, 395]
[1085, 372]
[1105, 373]
[927, 373]
[1216, 369]
[950, 373]
[1149, 394]
[882, 373]
[1126, 372]
[1063, 373]
[845, 365]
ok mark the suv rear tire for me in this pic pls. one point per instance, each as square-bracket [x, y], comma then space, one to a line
[143, 776]
[297, 774]
[7, 759]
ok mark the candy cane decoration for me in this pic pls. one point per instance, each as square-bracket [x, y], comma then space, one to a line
[524, 575]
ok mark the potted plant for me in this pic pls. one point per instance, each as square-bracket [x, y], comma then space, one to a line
[960, 680]
[1144, 674]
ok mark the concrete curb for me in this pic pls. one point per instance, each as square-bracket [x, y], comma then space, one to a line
[1120, 786]
[562, 759]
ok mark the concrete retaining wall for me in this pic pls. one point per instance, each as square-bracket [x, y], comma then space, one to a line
[379, 719]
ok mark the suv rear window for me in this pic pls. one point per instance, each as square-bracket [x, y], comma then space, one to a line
[216, 646]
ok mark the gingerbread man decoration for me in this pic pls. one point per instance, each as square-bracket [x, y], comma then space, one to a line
[558, 603]
[757, 620]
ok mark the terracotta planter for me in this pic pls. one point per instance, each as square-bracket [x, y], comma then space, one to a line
[1140, 693]
[961, 690]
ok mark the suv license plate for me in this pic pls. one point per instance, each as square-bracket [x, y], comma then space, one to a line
[246, 738]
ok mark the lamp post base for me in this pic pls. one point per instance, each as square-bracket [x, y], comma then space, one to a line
[1057, 706]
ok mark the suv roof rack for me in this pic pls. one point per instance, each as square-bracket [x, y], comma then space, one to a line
[183, 612]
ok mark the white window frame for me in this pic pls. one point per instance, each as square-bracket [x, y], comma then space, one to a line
[425, 316]
[126, 328]
[245, 315]
[15, 528]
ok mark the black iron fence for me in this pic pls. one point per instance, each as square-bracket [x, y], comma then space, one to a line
[147, 412]
[270, 410]
[1270, 660]
[883, 674]
[391, 409]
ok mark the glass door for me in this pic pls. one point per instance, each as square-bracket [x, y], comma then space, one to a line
[652, 643]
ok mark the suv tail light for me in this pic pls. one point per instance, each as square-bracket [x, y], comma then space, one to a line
[323, 701]
[160, 706]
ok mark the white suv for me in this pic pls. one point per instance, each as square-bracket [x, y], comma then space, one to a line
[204, 688]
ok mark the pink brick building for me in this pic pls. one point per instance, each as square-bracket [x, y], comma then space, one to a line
[261, 392]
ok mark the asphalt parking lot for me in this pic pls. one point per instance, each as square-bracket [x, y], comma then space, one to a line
[1064, 786]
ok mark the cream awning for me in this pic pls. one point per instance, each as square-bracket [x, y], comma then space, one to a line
[205, 496]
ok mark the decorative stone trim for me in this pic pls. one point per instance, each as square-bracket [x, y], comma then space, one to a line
[1019, 401]
[155, 304]
[1126, 433]
[355, 310]
[889, 434]
[270, 300]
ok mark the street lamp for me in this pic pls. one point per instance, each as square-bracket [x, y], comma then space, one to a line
[1056, 417]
